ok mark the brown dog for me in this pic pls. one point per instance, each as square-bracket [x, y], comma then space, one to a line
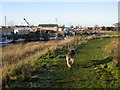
[70, 57]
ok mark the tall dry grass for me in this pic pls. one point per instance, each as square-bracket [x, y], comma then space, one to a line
[15, 53]
[113, 49]
[19, 53]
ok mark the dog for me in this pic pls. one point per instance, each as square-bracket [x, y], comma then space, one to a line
[70, 57]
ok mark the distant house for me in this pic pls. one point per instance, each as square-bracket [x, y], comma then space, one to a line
[94, 28]
[60, 28]
[85, 28]
[102, 28]
[69, 28]
[48, 27]
[21, 31]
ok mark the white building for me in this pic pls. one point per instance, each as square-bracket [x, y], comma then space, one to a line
[21, 31]
[60, 29]
[49, 27]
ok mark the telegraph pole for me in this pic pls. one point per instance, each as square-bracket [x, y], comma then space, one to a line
[56, 20]
[5, 21]
[70, 23]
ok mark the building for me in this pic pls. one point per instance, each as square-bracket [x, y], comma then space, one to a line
[94, 28]
[61, 28]
[22, 27]
[22, 30]
[102, 28]
[48, 27]
[85, 28]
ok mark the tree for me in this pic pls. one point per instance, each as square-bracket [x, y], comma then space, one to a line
[46, 36]
[108, 28]
[63, 26]
[72, 26]
[117, 24]
[77, 27]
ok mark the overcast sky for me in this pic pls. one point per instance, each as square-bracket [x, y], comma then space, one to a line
[74, 13]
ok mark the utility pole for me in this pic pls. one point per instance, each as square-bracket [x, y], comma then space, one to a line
[5, 21]
[70, 24]
[56, 20]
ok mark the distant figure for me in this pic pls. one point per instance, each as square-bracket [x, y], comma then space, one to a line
[70, 57]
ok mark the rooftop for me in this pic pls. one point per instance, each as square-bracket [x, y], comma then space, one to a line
[48, 25]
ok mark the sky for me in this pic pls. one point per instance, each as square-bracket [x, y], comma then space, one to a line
[67, 13]
[119, 11]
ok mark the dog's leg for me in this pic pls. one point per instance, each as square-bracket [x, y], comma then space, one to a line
[68, 64]
[72, 60]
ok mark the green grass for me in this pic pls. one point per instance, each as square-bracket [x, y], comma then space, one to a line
[90, 70]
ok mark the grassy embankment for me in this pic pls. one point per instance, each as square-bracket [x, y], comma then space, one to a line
[19, 60]
[96, 66]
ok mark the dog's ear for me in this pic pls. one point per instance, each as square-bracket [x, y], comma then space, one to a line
[75, 49]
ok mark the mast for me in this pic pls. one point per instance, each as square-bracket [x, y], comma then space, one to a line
[56, 20]
[5, 21]
[70, 24]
